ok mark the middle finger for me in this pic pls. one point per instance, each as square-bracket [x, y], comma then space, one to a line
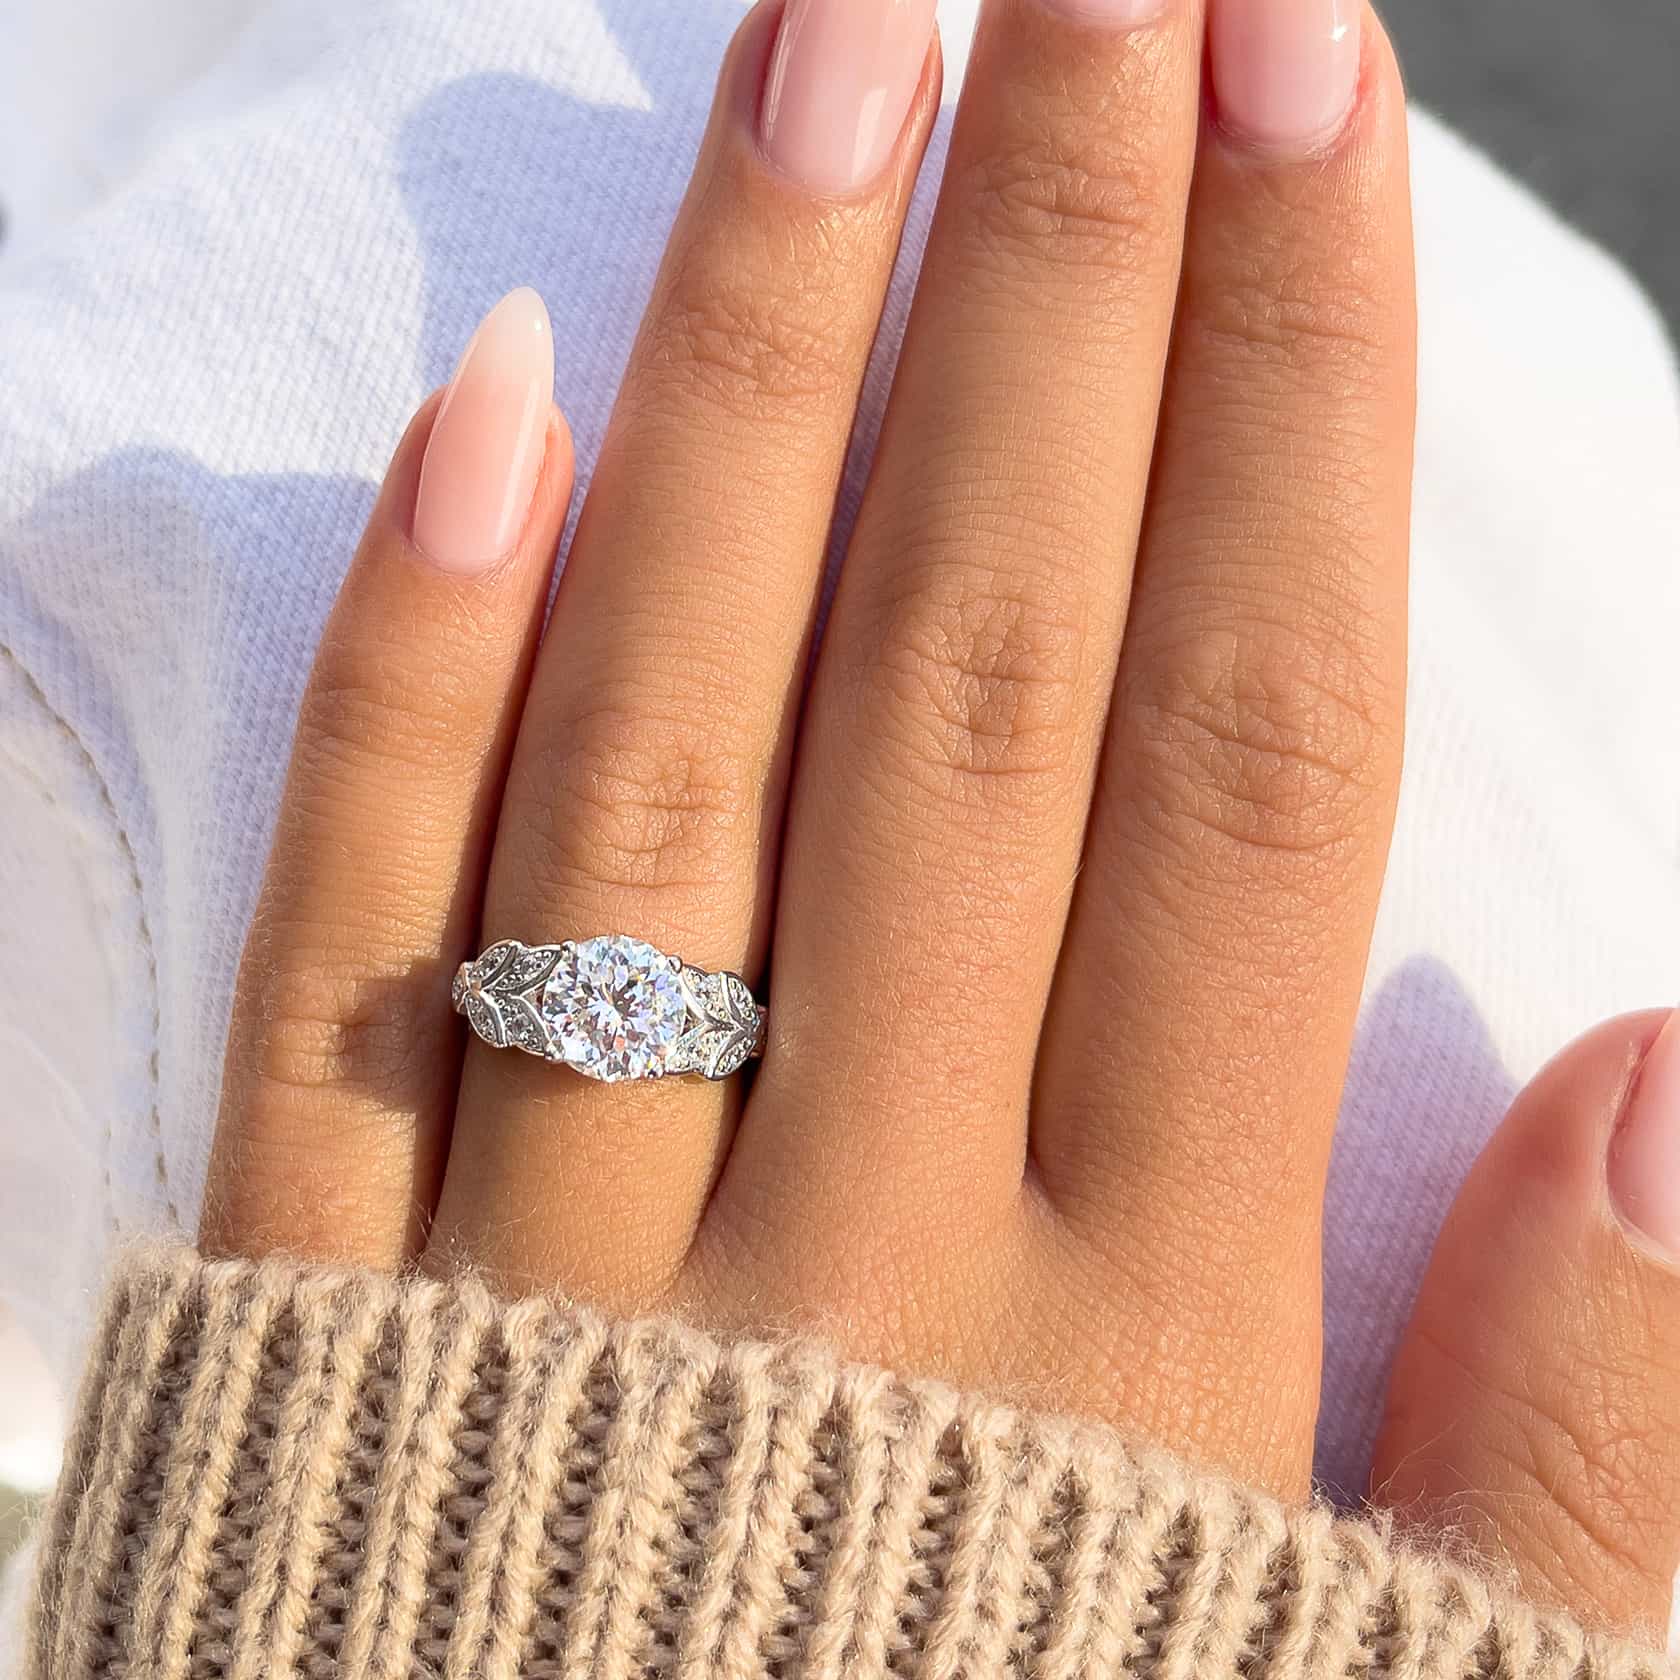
[948, 752]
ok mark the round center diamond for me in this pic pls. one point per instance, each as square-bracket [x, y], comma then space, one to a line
[614, 1008]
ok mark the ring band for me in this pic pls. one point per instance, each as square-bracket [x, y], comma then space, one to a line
[611, 1007]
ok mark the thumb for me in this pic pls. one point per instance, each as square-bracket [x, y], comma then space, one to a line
[1534, 1407]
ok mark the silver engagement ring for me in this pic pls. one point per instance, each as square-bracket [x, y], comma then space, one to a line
[612, 1008]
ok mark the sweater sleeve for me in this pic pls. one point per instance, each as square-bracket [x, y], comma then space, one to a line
[285, 1470]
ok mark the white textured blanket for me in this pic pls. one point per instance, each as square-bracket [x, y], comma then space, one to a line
[205, 368]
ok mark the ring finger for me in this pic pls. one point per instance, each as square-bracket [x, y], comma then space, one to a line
[646, 789]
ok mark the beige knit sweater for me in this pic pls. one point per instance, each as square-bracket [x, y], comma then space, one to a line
[284, 1470]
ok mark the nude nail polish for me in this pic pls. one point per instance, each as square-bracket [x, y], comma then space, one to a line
[842, 77]
[1116, 14]
[486, 448]
[1644, 1161]
[1284, 71]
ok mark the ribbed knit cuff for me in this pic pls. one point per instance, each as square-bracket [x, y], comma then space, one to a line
[286, 1470]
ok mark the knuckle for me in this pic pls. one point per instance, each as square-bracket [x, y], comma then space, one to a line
[1296, 315]
[631, 799]
[977, 681]
[327, 1031]
[748, 346]
[1598, 1486]
[1264, 738]
[1064, 191]
[1568, 1462]
[379, 707]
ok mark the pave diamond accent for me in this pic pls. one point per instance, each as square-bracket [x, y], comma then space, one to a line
[614, 1007]
[726, 1026]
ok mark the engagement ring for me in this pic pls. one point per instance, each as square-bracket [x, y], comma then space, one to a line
[611, 1007]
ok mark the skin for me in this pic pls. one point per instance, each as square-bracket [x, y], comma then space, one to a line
[1065, 862]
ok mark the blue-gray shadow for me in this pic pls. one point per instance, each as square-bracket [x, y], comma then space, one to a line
[1425, 1089]
[510, 182]
[255, 560]
[199, 705]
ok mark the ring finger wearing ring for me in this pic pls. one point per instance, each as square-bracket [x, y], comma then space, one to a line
[646, 790]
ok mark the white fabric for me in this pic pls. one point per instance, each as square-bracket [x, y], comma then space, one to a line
[205, 369]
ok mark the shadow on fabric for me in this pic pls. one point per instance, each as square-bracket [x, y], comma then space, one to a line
[1425, 1089]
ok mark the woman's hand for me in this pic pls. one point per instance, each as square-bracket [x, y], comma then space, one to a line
[1059, 876]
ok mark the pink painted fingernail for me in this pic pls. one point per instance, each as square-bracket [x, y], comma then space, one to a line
[1644, 1165]
[487, 441]
[1284, 71]
[841, 82]
[1122, 14]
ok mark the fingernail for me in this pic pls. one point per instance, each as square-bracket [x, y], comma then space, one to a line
[1644, 1165]
[486, 447]
[841, 81]
[1284, 71]
[1122, 14]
